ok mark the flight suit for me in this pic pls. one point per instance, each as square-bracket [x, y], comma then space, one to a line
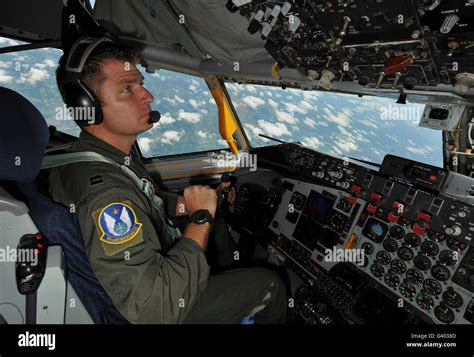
[152, 275]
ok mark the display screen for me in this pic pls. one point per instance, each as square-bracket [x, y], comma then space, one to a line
[318, 206]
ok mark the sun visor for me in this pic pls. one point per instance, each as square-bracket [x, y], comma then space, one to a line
[211, 27]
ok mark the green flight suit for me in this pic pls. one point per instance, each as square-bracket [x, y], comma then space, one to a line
[150, 276]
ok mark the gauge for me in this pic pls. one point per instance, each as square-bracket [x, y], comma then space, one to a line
[405, 253]
[448, 258]
[298, 200]
[398, 266]
[414, 276]
[424, 301]
[452, 298]
[435, 236]
[444, 314]
[422, 263]
[344, 205]
[383, 258]
[412, 240]
[392, 280]
[396, 232]
[403, 221]
[407, 290]
[455, 245]
[377, 270]
[429, 248]
[440, 273]
[432, 287]
[390, 245]
[368, 248]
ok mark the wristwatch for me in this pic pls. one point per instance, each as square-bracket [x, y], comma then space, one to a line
[202, 216]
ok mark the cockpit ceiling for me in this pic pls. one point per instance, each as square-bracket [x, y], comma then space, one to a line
[204, 36]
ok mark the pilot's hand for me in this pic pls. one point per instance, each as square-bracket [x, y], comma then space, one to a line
[200, 197]
[230, 195]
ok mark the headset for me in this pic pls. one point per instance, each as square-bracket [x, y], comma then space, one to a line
[74, 91]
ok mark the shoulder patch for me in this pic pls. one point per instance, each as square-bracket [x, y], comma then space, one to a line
[118, 223]
[118, 227]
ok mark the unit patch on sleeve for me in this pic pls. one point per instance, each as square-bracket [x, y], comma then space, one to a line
[118, 227]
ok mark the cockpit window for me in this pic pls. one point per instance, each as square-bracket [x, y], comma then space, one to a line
[366, 128]
[32, 73]
[189, 120]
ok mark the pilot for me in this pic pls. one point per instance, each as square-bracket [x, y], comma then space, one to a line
[152, 272]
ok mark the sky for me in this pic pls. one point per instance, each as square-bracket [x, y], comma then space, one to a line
[366, 128]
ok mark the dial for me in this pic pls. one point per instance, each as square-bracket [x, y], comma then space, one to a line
[405, 253]
[392, 280]
[429, 248]
[422, 263]
[414, 276]
[377, 270]
[412, 240]
[383, 258]
[298, 200]
[396, 232]
[444, 314]
[368, 248]
[390, 245]
[448, 258]
[452, 298]
[440, 273]
[432, 287]
[435, 236]
[455, 245]
[403, 221]
[425, 301]
[398, 266]
[407, 290]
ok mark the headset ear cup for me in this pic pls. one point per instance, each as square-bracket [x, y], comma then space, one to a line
[86, 106]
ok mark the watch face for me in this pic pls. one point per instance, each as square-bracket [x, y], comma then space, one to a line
[201, 216]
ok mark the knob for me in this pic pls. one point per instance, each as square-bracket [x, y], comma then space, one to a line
[336, 174]
[453, 230]
[318, 174]
[448, 23]
[343, 31]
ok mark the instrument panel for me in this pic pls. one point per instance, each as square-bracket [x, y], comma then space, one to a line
[401, 232]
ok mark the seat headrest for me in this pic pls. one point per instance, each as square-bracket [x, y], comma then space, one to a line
[24, 136]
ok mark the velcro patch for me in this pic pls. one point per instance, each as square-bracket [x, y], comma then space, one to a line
[118, 227]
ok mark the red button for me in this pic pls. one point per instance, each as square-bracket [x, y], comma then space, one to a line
[433, 178]
[39, 245]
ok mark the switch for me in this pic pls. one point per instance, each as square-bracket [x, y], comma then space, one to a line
[448, 23]
[374, 202]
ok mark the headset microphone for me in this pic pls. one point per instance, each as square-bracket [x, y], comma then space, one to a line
[154, 117]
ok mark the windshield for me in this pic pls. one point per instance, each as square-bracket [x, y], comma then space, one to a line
[366, 128]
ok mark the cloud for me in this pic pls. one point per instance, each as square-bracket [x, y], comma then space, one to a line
[273, 103]
[203, 134]
[295, 108]
[312, 142]
[34, 75]
[175, 100]
[310, 122]
[195, 104]
[170, 136]
[145, 144]
[4, 77]
[6, 42]
[5, 64]
[189, 116]
[193, 88]
[251, 89]
[252, 101]
[273, 129]
[343, 118]
[50, 63]
[166, 119]
[285, 117]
